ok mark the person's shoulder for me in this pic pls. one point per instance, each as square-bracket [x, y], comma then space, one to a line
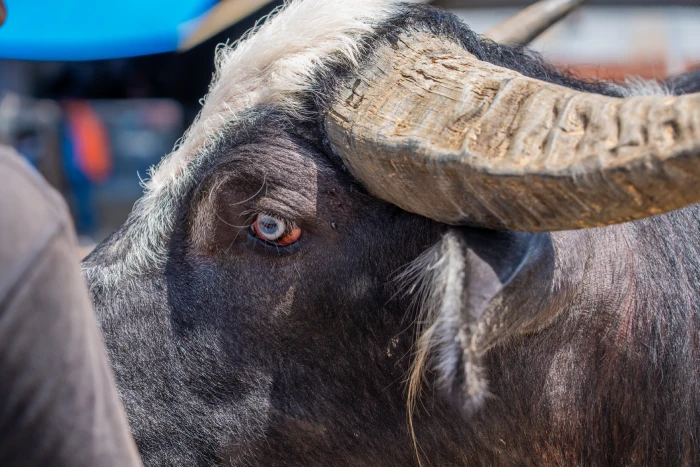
[27, 180]
[32, 213]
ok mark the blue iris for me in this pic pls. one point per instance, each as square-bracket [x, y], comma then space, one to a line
[270, 227]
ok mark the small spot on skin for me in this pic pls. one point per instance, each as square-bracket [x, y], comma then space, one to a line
[334, 226]
[392, 345]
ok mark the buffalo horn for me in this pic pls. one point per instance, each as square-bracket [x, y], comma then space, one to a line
[527, 25]
[430, 128]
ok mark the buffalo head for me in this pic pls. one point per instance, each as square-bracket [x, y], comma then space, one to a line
[349, 251]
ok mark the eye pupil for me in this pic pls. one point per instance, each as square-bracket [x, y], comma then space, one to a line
[269, 228]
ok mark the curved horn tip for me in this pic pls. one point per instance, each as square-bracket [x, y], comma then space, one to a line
[530, 23]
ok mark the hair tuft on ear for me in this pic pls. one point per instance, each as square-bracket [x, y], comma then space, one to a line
[445, 340]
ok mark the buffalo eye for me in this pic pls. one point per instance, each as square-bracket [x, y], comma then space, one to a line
[274, 230]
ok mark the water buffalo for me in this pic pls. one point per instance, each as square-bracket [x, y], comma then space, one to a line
[389, 241]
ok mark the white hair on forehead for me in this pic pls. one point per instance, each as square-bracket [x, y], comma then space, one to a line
[273, 64]
[635, 86]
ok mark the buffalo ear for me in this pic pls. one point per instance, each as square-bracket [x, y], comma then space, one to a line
[499, 272]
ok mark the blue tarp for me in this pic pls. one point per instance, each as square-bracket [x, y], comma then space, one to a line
[96, 29]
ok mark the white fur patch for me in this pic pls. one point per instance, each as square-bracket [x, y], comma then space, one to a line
[271, 65]
[635, 86]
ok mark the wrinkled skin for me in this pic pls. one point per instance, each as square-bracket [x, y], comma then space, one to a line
[239, 353]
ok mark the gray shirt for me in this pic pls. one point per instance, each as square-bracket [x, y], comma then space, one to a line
[58, 402]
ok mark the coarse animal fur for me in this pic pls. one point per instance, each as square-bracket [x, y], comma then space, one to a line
[528, 349]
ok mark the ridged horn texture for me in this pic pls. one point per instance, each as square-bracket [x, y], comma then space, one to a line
[430, 128]
[525, 26]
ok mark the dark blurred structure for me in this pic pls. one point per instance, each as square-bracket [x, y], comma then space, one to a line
[93, 128]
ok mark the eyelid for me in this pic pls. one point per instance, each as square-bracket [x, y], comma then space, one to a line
[252, 215]
[283, 208]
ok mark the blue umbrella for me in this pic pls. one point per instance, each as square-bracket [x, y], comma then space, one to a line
[99, 29]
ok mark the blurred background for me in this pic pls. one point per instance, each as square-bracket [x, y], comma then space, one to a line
[94, 127]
